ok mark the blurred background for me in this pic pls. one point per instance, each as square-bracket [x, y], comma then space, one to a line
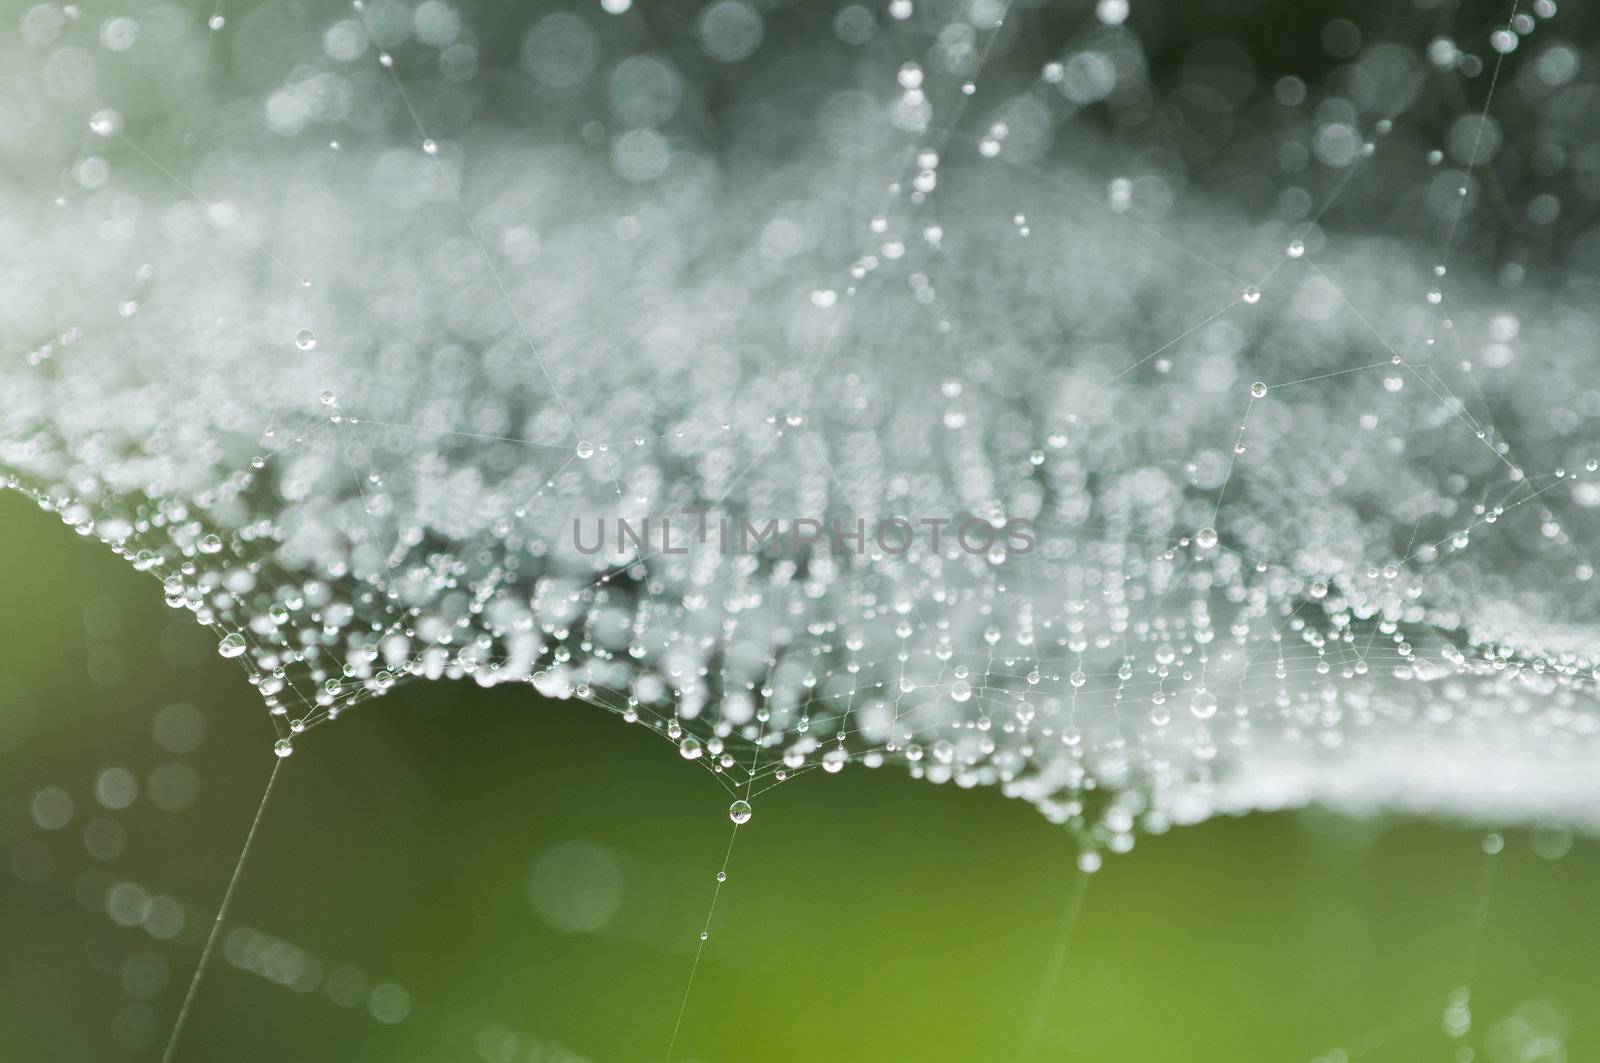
[455, 874]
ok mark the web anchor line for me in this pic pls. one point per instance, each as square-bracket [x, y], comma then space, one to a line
[216, 924]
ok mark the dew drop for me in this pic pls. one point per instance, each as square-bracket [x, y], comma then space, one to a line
[739, 811]
[232, 645]
[306, 340]
[105, 123]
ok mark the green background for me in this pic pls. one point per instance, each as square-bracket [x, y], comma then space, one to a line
[866, 916]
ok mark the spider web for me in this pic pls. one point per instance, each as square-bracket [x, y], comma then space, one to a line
[382, 318]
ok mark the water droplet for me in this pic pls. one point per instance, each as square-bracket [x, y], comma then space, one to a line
[1204, 705]
[306, 340]
[1296, 248]
[105, 123]
[283, 747]
[739, 811]
[1252, 294]
[1258, 390]
[1206, 538]
[585, 449]
[690, 748]
[232, 644]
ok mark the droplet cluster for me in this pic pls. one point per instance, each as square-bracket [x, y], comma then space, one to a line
[362, 411]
